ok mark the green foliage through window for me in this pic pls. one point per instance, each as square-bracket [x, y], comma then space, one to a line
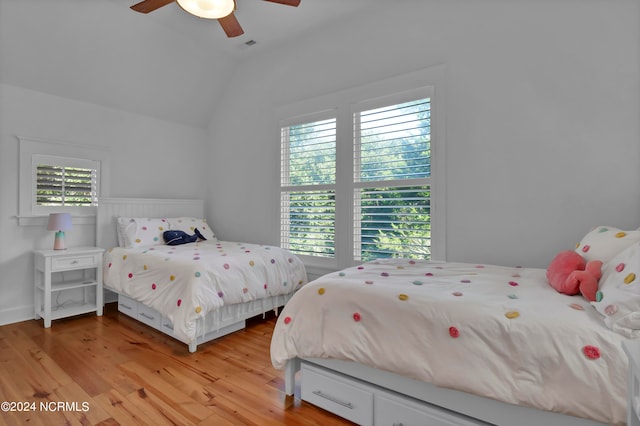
[309, 222]
[65, 186]
[394, 222]
[391, 183]
[393, 145]
[309, 160]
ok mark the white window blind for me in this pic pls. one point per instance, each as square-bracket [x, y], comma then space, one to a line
[65, 182]
[307, 197]
[392, 188]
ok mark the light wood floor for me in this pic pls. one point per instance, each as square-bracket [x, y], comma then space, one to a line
[113, 370]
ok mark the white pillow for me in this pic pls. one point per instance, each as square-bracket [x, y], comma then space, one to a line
[189, 224]
[604, 242]
[618, 297]
[139, 231]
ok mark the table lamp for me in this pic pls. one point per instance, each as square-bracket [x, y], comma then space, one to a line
[59, 222]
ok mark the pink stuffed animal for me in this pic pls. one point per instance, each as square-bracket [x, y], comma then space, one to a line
[570, 274]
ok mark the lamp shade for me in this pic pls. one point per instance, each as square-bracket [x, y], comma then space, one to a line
[59, 222]
[209, 9]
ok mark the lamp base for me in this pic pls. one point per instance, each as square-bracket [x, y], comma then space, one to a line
[58, 243]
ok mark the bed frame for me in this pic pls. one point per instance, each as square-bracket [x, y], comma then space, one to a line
[433, 405]
[226, 320]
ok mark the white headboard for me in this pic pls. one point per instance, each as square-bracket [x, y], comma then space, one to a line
[111, 208]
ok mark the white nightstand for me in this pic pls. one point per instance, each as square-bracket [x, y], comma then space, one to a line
[87, 261]
[632, 349]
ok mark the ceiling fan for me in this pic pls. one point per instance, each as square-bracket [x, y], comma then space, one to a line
[222, 10]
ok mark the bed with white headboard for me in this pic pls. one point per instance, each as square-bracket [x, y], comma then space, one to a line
[262, 278]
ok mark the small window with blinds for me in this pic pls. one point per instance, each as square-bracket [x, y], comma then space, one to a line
[64, 182]
[307, 183]
[392, 188]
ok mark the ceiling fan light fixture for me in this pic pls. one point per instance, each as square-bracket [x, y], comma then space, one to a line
[208, 9]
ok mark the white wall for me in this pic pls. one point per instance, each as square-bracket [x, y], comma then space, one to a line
[542, 108]
[149, 158]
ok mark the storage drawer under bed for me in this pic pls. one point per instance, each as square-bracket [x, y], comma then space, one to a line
[343, 397]
[128, 306]
[371, 405]
[149, 316]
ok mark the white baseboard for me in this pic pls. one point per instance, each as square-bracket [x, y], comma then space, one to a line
[13, 315]
[25, 313]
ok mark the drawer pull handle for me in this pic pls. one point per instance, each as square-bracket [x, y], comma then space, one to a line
[74, 262]
[125, 306]
[397, 424]
[333, 399]
[142, 314]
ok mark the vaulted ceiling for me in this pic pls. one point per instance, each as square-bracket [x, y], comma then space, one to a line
[166, 64]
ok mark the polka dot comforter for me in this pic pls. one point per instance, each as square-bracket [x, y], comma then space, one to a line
[498, 332]
[186, 282]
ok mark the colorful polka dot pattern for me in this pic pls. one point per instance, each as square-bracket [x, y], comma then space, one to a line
[188, 281]
[138, 232]
[445, 276]
[481, 328]
[604, 242]
[618, 296]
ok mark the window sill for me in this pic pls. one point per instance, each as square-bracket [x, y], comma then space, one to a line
[43, 220]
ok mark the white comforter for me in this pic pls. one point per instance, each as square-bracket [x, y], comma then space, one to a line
[499, 332]
[186, 282]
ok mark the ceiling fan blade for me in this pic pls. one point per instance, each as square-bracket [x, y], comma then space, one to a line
[231, 26]
[147, 6]
[294, 3]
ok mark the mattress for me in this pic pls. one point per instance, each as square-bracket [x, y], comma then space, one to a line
[494, 331]
[186, 282]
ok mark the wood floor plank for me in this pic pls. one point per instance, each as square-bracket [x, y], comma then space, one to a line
[118, 408]
[131, 374]
[156, 408]
[42, 371]
[76, 406]
[153, 383]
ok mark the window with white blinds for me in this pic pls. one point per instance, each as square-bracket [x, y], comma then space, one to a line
[392, 188]
[64, 182]
[307, 182]
[363, 173]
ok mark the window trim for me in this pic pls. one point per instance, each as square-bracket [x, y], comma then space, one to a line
[28, 214]
[343, 103]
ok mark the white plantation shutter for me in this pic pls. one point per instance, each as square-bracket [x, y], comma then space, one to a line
[363, 173]
[392, 188]
[63, 181]
[307, 182]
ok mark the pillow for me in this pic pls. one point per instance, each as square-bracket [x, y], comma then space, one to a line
[604, 242]
[138, 232]
[618, 298]
[189, 224]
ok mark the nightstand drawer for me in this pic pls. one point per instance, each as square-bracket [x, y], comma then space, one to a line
[334, 394]
[67, 263]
